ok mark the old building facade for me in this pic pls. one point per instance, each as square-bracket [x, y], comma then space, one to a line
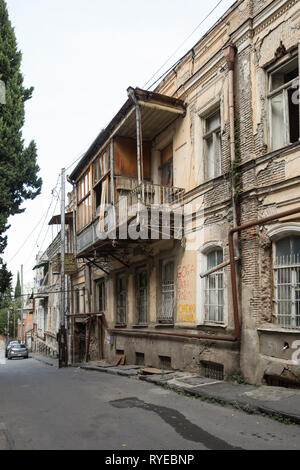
[216, 145]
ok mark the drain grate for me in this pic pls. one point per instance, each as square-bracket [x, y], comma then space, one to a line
[212, 370]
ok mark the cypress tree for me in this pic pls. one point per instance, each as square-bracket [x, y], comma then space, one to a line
[19, 179]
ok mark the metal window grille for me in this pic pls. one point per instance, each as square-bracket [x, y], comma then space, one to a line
[142, 297]
[214, 290]
[212, 370]
[287, 290]
[140, 359]
[167, 302]
[166, 311]
[121, 299]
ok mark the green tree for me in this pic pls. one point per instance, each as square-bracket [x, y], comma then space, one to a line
[19, 179]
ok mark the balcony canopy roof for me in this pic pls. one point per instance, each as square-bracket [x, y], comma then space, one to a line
[157, 113]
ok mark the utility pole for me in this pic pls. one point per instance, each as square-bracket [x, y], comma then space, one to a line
[8, 314]
[14, 320]
[21, 329]
[62, 334]
[62, 246]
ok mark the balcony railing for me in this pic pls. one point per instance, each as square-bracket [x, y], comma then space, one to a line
[127, 207]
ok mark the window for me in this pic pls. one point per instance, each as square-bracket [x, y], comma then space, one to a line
[84, 201]
[141, 295]
[121, 298]
[287, 281]
[167, 292]
[284, 105]
[167, 166]
[212, 146]
[101, 296]
[214, 289]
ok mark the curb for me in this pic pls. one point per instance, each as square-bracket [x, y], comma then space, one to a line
[44, 361]
[203, 396]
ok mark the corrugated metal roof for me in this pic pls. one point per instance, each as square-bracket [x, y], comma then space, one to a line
[158, 112]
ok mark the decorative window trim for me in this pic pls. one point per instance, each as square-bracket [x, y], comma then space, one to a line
[283, 230]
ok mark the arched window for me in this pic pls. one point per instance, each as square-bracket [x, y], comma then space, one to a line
[287, 281]
[214, 288]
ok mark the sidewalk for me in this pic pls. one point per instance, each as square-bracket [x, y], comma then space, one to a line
[282, 404]
[50, 361]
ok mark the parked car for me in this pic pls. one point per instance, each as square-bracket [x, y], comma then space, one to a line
[9, 346]
[18, 350]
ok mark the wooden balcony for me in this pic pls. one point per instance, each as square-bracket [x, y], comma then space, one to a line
[137, 204]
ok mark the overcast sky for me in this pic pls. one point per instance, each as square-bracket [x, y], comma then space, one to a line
[81, 56]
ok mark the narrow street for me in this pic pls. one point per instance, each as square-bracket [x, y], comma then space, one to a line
[43, 407]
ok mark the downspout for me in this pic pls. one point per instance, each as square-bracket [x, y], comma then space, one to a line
[231, 233]
[130, 92]
[229, 54]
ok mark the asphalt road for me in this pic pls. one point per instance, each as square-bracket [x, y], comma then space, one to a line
[42, 407]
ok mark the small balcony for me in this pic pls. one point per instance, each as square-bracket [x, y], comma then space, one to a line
[137, 204]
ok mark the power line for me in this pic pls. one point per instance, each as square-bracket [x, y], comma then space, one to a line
[179, 47]
[32, 231]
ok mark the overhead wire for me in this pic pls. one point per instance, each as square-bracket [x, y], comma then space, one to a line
[177, 49]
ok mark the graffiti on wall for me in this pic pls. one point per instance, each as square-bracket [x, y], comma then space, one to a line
[186, 309]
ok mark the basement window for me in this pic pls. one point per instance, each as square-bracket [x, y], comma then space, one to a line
[139, 359]
[213, 370]
[284, 104]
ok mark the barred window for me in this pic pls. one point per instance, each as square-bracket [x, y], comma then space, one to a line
[142, 296]
[287, 282]
[214, 289]
[166, 310]
[121, 298]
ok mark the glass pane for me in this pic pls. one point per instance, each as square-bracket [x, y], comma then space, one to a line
[278, 127]
[218, 154]
[213, 122]
[210, 158]
[283, 249]
[284, 74]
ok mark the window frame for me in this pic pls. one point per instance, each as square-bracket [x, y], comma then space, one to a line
[101, 284]
[281, 90]
[137, 288]
[118, 318]
[84, 200]
[217, 153]
[201, 318]
[293, 317]
[161, 318]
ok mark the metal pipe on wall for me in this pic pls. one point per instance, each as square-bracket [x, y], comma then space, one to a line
[234, 230]
[229, 54]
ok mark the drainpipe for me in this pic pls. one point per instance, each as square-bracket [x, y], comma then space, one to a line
[229, 54]
[132, 96]
[231, 233]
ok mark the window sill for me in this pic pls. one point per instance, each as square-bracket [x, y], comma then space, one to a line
[279, 330]
[140, 325]
[164, 325]
[219, 325]
[120, 325]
